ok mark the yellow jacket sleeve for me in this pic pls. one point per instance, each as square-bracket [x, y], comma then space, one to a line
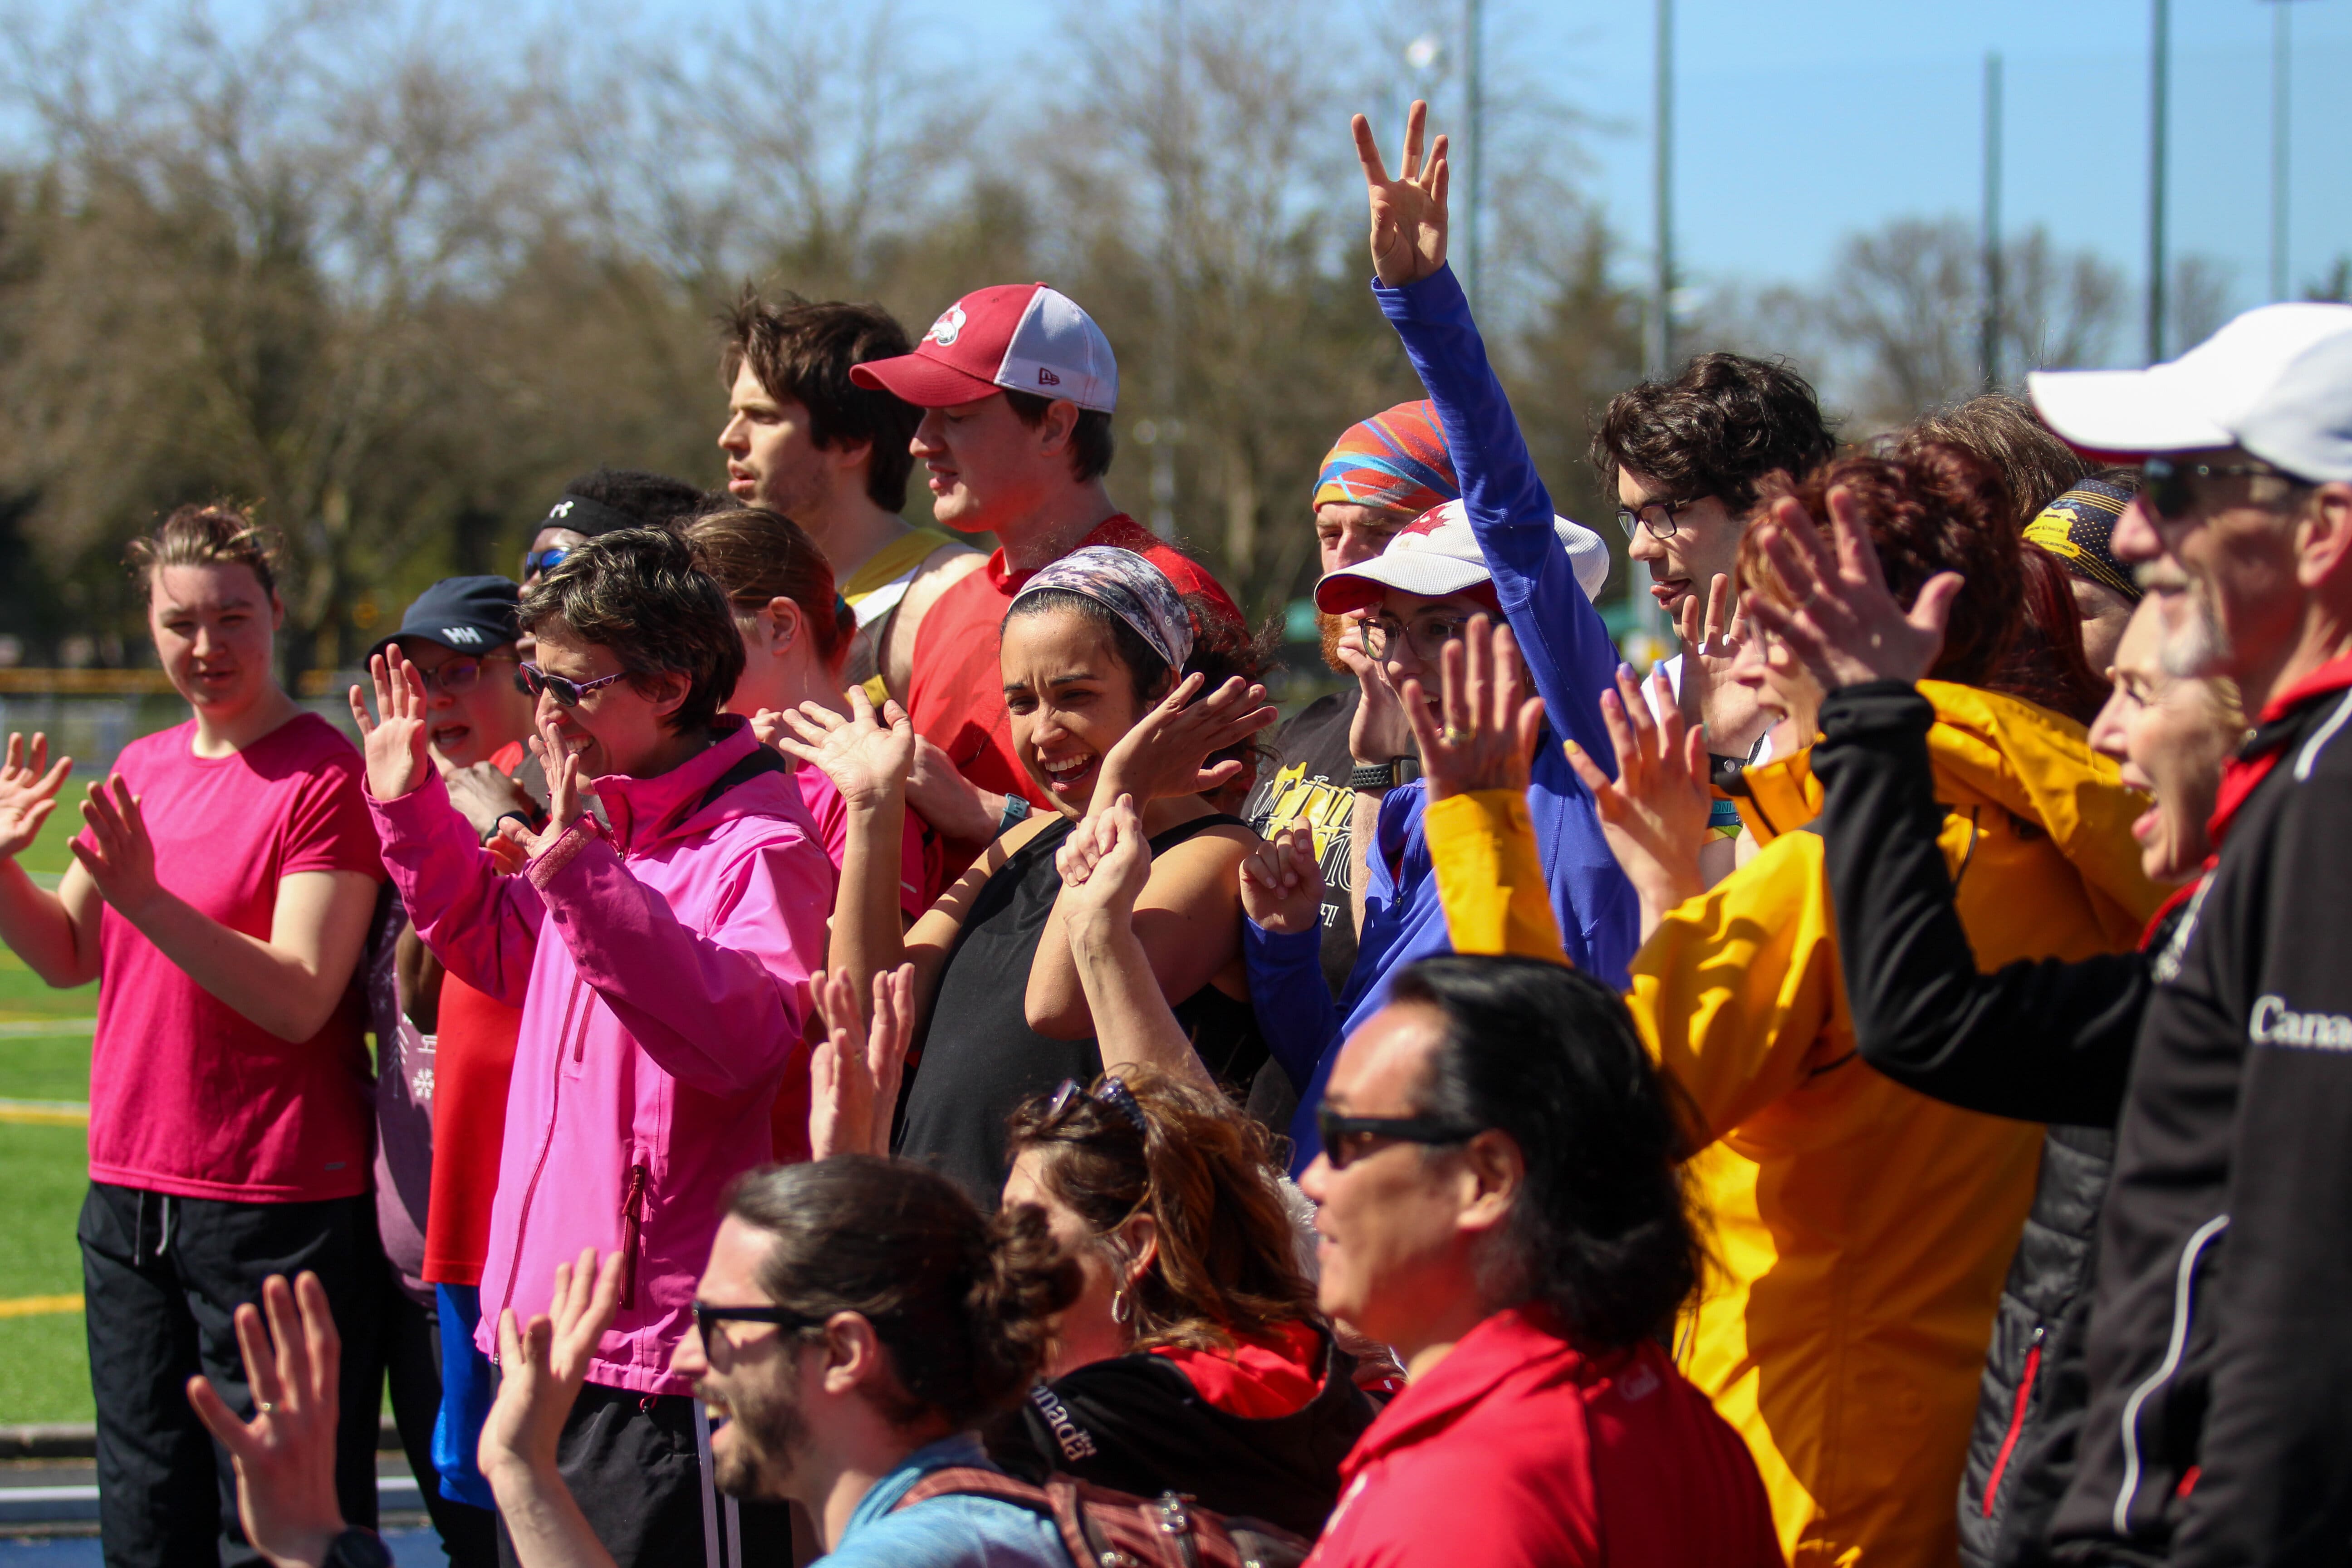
[1737, 992]
[1490, 882]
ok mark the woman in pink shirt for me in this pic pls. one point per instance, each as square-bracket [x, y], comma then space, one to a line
[220, 895]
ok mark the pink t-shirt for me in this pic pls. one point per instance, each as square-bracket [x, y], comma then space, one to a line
[922, 866]
[188, 1097]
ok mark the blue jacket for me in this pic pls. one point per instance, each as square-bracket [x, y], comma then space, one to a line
[1571, 660]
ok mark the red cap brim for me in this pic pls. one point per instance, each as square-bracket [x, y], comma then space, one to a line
[919, 379]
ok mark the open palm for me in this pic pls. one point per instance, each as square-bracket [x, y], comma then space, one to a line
[28, 792]
[866, 756]
[1409, 219]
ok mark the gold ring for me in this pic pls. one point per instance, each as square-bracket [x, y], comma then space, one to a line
[1454, 737]
[263, 1406]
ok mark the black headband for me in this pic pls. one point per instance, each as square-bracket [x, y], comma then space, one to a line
[588, 517]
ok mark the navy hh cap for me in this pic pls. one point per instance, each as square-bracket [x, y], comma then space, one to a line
[467, 614]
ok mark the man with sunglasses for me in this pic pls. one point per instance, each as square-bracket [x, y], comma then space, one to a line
[2220, 1355]
[1498, 1202]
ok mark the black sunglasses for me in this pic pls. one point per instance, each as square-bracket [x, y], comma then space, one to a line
[567, 693]
[2172, 496]
[1335, 1131]
[783, 1316]
[537, 560]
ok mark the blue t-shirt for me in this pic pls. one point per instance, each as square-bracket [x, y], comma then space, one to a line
[945, 1531]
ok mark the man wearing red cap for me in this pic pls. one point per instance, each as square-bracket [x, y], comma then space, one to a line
[1017, 385]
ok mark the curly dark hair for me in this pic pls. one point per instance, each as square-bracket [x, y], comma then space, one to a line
[637, 592]
[653, 499]
[1205, 1174]
[1602, 1232]
[964, 1305]
[1937, 508]
[803, 350]
[1716, 429]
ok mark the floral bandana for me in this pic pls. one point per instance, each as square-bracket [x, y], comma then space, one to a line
[1129, 587]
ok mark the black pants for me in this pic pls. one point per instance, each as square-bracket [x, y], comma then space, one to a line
[412, 1365]
[161, 1278]
[631, 1464]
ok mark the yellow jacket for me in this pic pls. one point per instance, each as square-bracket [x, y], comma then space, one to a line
[1859, 1231]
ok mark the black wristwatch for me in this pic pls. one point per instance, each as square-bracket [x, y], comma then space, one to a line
[357, 1549]
[1385, 775]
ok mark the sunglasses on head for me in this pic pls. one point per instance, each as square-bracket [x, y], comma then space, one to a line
[538, 560]
[567, 693]
[1344, 1137]
[2171, 487]
[1113, 1093]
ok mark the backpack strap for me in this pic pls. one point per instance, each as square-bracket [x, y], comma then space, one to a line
[761, 760]
[1059, 1505]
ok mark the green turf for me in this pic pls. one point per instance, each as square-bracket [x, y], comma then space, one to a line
[44, 1363]
[23, 995]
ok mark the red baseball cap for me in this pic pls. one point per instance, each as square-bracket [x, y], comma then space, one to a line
[1024, 337]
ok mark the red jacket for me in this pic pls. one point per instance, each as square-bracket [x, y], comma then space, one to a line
[1517, 1448]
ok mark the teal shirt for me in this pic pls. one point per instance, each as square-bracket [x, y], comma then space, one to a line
[946, 1531]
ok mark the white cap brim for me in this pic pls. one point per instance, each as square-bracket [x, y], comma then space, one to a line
[1423, 571]
[2124, 413]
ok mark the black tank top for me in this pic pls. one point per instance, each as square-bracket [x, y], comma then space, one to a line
[981, 1058]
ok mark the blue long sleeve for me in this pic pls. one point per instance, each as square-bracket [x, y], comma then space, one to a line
[1295, 1014]
[1561, 637]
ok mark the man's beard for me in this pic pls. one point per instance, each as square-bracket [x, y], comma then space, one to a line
[767, 1435]
[1329, 629]
[2198, 643]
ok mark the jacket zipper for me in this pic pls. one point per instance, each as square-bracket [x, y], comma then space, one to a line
[2016, 1418]
[633, 1214]
[546, 1146]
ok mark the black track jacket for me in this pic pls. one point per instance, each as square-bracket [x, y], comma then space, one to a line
[2220, 1349]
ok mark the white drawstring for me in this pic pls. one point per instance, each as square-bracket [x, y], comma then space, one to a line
[163, 1237]
[709, 1497]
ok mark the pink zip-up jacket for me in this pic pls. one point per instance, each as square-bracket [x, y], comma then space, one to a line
[661, 1018]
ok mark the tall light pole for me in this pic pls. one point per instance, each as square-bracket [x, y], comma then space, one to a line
[1661, 314]
[1473, 73]
[2159, 76]
[2281, 128]
[1989, 330]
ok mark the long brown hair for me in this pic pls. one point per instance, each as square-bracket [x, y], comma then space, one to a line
[757, 555]
[1205, 1174]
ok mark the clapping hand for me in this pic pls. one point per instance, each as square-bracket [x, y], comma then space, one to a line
[1104, 866]
[120, 857]
[1163, 755]
[1282, 882]
[1654, 811]
[569, 790]
[1845, 626]
[394, 744]
[1409, 217]
[1713, 632]
[1380, 729]
[855, 1070]
[1491, 723]
[28, 792]
[866, 756]
[285, 1457]
[543, 1364]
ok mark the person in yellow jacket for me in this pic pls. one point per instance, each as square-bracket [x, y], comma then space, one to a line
[1859, 1231]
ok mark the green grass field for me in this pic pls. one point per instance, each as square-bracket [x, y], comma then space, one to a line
[44, 1363]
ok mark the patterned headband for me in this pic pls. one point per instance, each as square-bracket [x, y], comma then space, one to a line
[2079, 527]
[1129, 587]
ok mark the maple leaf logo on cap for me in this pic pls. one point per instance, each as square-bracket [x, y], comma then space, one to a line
[948, 327]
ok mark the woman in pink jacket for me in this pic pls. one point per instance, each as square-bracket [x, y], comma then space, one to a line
[661, 957]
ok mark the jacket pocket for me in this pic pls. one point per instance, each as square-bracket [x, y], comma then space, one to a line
[633, 1216]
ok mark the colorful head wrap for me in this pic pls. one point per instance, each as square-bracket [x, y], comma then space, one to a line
[1397, 460]
[1129, 587]
[2076, 529]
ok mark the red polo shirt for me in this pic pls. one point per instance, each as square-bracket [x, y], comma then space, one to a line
[956, 697]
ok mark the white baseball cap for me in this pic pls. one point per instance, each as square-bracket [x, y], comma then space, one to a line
[1019, 337]
[1437, 553]
[2276, 381]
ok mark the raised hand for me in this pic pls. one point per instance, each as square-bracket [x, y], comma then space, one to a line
[1491, 723]
[866, 756]
[855, 1070]
[284, 1457]
[1654, 811]
[1409, 217]
[28, 792]
[1712, 635]
[1282, 882]
[1380, 729]
[122, 856]
[1104, 866]
[544, 1364]
[482, 795]
[1163, 753]
[392, 744]
[569, 790]
[1845, 626]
